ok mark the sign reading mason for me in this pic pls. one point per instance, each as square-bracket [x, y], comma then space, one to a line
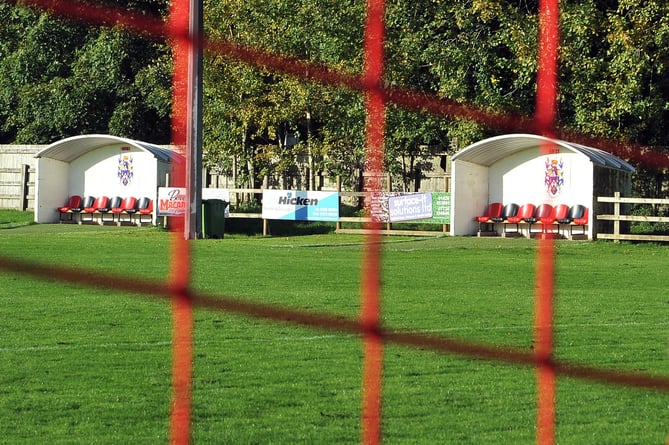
[172, 201]
[300, 205]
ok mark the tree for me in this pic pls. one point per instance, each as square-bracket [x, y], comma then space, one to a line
[615, 78]
[94, 80]
[251, 113]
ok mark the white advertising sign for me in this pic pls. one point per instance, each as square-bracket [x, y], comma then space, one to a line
[172, 201]
[410, 206]
[300, 205]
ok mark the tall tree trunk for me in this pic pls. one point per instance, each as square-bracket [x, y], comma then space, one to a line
[249, 166]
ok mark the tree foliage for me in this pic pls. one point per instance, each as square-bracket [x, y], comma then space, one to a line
[266, 121]
[59, 78]
[615, 69]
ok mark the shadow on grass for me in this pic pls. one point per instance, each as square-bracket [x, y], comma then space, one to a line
[254, 226]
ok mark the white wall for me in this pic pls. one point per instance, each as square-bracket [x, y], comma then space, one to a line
[469, 196]
[96, 173]
[51, 190]
[520, 178]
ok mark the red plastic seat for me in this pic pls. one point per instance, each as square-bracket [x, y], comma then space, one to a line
[509, 210]
[101, 204]
[112, 203]
[144, 207]
[575, 211]
[494, 210]
[73, 205]
[87, 202]
[542, 212]
[128, 206]
[526, 211]
[561, 212]
[558, 213]
[582, 222]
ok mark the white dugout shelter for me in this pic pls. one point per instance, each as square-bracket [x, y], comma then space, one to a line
[514, 169]
[95, 165]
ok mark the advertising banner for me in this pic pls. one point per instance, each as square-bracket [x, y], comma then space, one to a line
[399, 207]
[441, 208]
[407, 207]
[378, 205]
[300, 205]
[172, 201]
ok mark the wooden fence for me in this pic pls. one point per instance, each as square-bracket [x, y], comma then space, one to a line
[618, 217]
[389, 228]
[17, 188]
[620, 204]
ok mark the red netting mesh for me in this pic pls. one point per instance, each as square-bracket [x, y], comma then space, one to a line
[374, 336]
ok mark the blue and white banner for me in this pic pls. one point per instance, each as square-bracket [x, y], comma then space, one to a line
[300, 205]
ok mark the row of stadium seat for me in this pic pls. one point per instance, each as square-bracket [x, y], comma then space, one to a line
[91, 208]
[547, 216]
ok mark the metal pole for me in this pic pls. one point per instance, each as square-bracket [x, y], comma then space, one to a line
[193, 223]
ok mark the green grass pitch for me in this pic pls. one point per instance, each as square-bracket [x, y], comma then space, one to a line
[89, 365]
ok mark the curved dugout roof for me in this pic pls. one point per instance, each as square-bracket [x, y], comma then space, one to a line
[489, 151]
[67, 150]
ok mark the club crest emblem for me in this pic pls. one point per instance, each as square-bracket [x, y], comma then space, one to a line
[125, 169]
[554, 176]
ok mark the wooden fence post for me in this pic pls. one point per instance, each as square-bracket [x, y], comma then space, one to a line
[23, 194]
[616, 213]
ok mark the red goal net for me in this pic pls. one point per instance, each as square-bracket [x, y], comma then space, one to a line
[377, 96]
